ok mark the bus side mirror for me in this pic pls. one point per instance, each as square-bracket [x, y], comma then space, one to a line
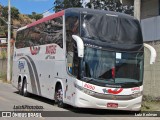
[80, 45]
[153, 53]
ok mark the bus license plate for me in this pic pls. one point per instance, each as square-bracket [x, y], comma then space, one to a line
[112, 105]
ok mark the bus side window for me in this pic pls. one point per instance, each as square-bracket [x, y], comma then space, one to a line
[70, 61]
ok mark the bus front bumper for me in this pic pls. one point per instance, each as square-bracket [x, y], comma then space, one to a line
[84, 100]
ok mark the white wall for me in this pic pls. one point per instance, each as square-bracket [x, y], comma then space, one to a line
[151, 28]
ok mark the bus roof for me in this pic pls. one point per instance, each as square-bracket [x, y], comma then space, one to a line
[95, 11]
[78, 11]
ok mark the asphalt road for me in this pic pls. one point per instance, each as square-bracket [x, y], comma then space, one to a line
[9, 98]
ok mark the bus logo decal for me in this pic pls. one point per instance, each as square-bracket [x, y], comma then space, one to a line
[135, 89]
[21, 65]
[51, 49]
[49, 57]
[89, 86]
[115, 91]
[34, 50]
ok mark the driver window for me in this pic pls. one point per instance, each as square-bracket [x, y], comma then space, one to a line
[72, 28]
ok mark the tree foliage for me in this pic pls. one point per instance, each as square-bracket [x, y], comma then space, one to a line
[4, 17]
[35, 16]
[14, 13]
[110, 5]
[64, 4]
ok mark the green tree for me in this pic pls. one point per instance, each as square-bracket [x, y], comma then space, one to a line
[64, 4]
[3, 25]
[1, 8]
[4, 15]
[110, 5]
[35, 16]
[1, 21]
[14, 13]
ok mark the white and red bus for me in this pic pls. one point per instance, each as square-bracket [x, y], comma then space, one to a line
[82, 57]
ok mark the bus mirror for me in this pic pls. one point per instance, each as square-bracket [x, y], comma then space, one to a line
[153, 53]
[80, 45]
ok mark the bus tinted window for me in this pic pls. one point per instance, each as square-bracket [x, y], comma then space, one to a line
[99, 27]
[72, 28]
[110, 29]
[51, 32]
[44, 33]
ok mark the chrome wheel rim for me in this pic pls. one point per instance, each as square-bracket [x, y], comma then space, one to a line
[25, 88]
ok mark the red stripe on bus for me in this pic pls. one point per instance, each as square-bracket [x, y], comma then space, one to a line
[58, 14]
[115, 92]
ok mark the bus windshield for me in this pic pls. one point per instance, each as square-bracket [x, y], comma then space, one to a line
[112, 67]
[111, 29]
[112, 54]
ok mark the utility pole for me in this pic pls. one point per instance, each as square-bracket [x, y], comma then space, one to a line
[8, 47]
[137, 9]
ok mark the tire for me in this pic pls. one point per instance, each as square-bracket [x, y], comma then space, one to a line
[24, 89]
[20, 91]
[59, 97]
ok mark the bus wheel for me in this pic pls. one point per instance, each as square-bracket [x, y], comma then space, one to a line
[20, 88]
[24, 89]
[59, 97]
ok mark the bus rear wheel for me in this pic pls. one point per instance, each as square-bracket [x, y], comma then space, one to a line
[24, 89]
[20, 89]
[59, 97]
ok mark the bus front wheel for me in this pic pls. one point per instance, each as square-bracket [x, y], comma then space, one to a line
[59, 96]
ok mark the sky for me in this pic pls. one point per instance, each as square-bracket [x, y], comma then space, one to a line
[29, 6]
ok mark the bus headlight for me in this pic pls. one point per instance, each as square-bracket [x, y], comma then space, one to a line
[135, 95]
[88, 92]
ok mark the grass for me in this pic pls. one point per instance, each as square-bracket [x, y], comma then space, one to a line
[150, 106]
[150, 103]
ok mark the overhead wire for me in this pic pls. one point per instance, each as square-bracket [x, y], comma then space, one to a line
[48, 10]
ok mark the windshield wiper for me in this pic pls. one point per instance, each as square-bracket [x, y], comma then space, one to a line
[87, 79]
